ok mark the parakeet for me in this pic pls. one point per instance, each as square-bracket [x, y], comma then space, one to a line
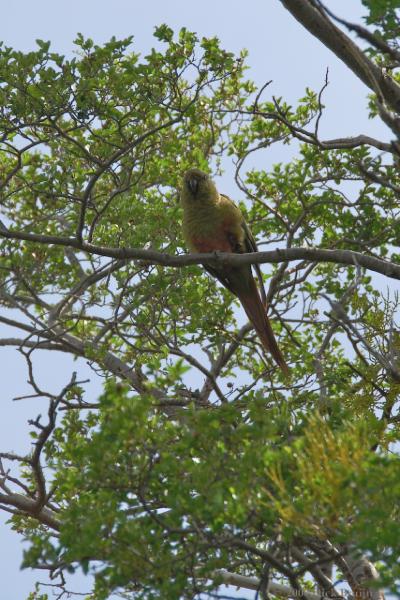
[212, 222]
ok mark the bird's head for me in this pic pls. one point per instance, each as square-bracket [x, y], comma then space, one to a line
[198, 187]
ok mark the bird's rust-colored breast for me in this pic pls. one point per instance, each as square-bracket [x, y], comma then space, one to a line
[214, 244]
[222, 240]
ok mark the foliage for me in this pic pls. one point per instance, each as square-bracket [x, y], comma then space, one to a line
[198, 456]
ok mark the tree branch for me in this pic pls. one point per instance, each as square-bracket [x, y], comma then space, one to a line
[365, 34]
[29, 506]
[319, 255]
[21, 343]
[321, 27]
[252, 583]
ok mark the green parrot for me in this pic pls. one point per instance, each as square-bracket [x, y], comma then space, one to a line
[212, 222]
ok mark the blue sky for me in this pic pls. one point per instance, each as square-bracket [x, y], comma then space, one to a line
[279, 49]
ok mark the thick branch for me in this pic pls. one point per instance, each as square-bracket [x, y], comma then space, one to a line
[319, 255]
[29, 506]
[32, 344]
[252, 583]
[320, 26]
[365, 34]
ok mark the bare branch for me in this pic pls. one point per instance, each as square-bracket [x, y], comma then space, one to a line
[29, 506]
[30, 344]
[252, 583]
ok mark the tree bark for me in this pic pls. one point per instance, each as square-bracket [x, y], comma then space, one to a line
[321, 27]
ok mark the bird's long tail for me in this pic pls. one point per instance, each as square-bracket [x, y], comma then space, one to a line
[256, 312]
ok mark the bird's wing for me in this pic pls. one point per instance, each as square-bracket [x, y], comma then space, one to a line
[218, 275]
[251, 246]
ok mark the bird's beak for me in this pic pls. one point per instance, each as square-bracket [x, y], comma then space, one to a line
[193, 185]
